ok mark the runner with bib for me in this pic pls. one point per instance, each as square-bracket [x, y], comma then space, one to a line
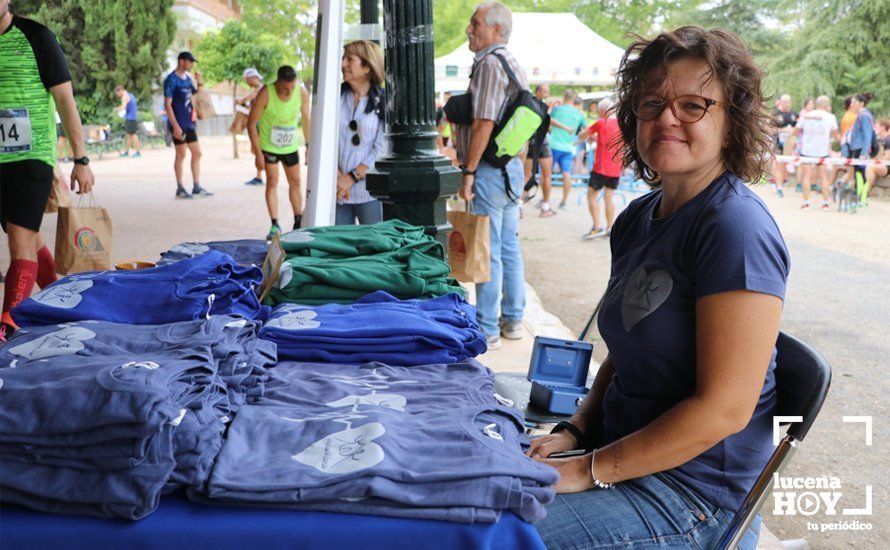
[34, 81]
[272, 127]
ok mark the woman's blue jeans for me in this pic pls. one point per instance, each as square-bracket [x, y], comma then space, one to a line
[655, 511]
[367, 213]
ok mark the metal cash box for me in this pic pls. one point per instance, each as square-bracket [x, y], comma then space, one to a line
[558, 373]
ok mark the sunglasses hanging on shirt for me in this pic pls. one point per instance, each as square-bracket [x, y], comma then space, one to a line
[353, 125]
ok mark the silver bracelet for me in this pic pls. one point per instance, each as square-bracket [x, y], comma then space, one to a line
[596, 482]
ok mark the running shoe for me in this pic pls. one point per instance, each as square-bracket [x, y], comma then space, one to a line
[137, 155]
[825, 207]
[805, 206]
[181, 193]
[199, 191]
[274, 230]
[548, 213]
[254, 181]
[594, 233]
[124, 155]
[511, 330]
[562, 206]
[493, 341]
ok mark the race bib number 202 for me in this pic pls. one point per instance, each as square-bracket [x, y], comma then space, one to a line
[15, 131]
[283, 136]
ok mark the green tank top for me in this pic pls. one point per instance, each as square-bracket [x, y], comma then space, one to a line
[27, 110]
[278, 123]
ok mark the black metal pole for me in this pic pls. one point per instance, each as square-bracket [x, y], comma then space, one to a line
[414, 180]
[370, 12]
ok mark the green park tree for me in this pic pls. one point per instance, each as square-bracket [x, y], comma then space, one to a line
[225, 53]
[107, 43]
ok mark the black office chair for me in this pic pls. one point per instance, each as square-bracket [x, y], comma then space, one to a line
[802, 381]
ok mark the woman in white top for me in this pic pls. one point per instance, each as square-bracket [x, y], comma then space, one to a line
[362, 126]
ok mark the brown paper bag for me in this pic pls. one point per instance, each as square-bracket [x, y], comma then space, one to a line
[83, 239]
[59, 194]
[272, 266]
[469, 248]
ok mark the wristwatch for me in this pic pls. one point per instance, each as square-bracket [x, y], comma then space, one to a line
[355, 176]
[83, 161]
[580, 437]
[466, 171]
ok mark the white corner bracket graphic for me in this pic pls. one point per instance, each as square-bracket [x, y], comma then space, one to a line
[861, 511]
[777, 426]
[864, 420]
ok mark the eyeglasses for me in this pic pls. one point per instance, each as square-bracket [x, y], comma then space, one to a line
[353, 125]
[686, 108]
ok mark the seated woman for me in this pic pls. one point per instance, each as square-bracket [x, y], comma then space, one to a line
[680, 413]
[361, 136]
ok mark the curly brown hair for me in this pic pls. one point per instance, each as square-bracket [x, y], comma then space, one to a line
[644, 66]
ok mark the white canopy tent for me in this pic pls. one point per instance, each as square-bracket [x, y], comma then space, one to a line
[553, 48]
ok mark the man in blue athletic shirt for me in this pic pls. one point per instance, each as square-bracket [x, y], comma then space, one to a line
[130, 110]
[181, 118]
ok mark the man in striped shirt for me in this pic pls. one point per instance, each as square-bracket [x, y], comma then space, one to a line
[500, 303]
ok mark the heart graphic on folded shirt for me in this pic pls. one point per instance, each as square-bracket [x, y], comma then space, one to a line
[392, 401]
[345, 452]
[64, 295]
[643, 294]
[296, 320]
[190, 249]
[65, 341]
[298, 236]
[284, 275]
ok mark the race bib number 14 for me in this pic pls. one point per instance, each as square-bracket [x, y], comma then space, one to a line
[15, 131]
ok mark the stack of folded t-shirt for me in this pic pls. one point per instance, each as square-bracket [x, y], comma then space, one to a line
[211, 283]
[341, 264]
[95, 435]
[377, 327]
[243, 251]
[235, 368]
[421, 442]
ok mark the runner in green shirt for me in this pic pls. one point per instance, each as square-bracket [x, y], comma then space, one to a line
[272, 127]
[34, 80]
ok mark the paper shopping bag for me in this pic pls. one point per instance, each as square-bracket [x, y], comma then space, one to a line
[58, 194]
[83, 239]
[272, 266]
[469, 248]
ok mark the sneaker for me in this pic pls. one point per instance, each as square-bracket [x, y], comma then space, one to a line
[199, 191]
[805, 206]
[511, 330]
[137, 155]
[181, 193]
[562, 206]
[493, 341]
[594, 233]
[124, 155]
[825, 207]
[254, 181]
[274, 230]
[548, 213]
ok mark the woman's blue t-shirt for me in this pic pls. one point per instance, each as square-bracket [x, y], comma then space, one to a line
[723, 239]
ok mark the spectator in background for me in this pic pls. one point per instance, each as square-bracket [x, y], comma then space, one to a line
[862, 133]
[181, 118]
[581, 144]
[878, 169]
[362, 126]
[545, 161]
[500, 302]
[254, 81]
[443, 127]
[566, 121]
[131, 120]
[606, 169]
[816, 128]
[784, 120]
[846, 124]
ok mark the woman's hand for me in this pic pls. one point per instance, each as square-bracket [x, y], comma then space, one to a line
[546, 445]
[344, 184]
[574, 473]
